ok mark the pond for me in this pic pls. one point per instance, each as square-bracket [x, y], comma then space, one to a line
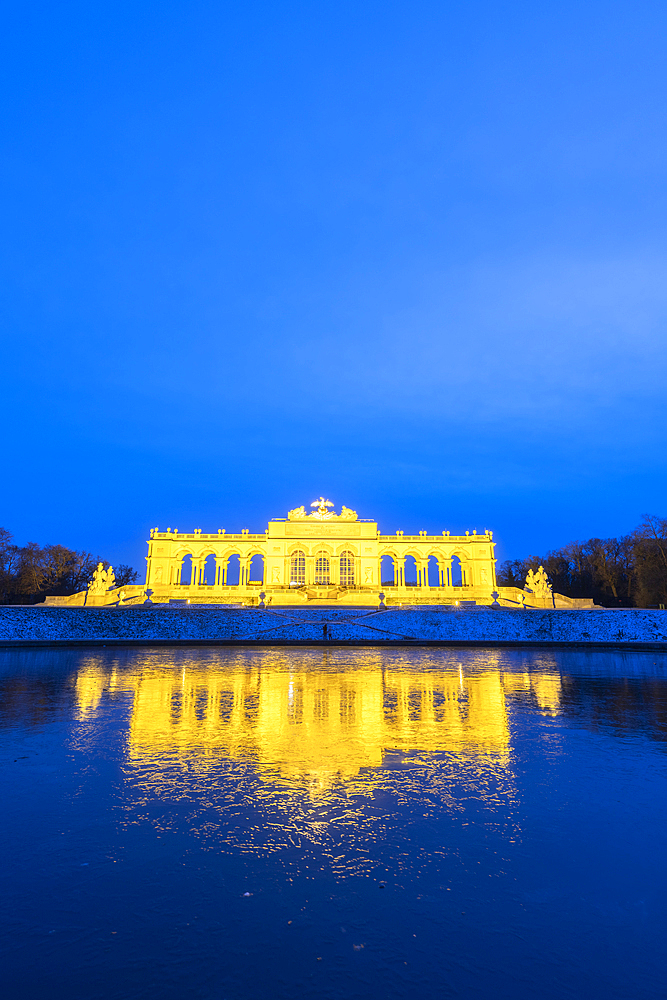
[333, 823]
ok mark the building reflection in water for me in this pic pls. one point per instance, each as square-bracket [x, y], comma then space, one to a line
[269, 750]
[308, 726]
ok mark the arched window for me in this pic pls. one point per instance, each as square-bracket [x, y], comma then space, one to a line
[322, 568]
[298, 569]
[347, 569]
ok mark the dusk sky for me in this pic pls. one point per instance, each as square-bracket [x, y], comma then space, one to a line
[411, 256]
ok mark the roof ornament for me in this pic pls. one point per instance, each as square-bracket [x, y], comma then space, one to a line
[322, 512]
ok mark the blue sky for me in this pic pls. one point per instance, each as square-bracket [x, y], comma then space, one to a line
[412, 256]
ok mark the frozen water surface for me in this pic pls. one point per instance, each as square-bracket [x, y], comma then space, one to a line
[333, 823]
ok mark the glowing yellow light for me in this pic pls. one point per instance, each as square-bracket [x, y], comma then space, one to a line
[309, 727]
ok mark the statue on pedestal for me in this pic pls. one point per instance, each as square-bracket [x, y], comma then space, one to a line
[103, 580]
[538, 583]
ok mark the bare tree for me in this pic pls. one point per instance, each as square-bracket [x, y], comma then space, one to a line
[28, 573]
[626, 571]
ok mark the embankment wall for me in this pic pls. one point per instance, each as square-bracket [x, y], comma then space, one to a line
[200, 625]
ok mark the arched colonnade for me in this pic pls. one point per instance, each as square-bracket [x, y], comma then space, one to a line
[321, 566]
[211, 569]
[324, 567]
[425, 569]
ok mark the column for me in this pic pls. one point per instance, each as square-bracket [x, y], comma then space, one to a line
[401, 571]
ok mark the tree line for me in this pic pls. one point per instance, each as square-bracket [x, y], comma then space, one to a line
[29, 573]
[626, 572]
[630, 571]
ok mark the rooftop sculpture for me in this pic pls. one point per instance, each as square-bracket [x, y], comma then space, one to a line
[323, 513]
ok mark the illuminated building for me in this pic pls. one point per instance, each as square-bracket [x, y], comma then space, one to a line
[320, 556]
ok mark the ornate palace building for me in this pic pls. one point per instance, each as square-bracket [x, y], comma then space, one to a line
[320, 556]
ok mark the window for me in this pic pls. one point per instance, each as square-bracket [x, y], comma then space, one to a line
[347, 569]
[322, 568]
[298, 569]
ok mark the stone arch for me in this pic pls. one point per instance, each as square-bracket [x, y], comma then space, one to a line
[346, 547]
[254, 551]
[320, 546]
[433, 571]
[182, 553]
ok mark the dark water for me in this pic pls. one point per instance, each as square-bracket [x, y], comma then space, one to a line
[333, 823]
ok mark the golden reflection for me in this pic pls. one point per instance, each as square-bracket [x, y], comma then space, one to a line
[300, 723]
[547, 691]
[91, 684]
[315, 728]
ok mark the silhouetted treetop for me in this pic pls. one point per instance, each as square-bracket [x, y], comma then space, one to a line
[30, 572]
[630, 571]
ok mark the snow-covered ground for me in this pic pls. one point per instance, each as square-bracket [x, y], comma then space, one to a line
[200, 623]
